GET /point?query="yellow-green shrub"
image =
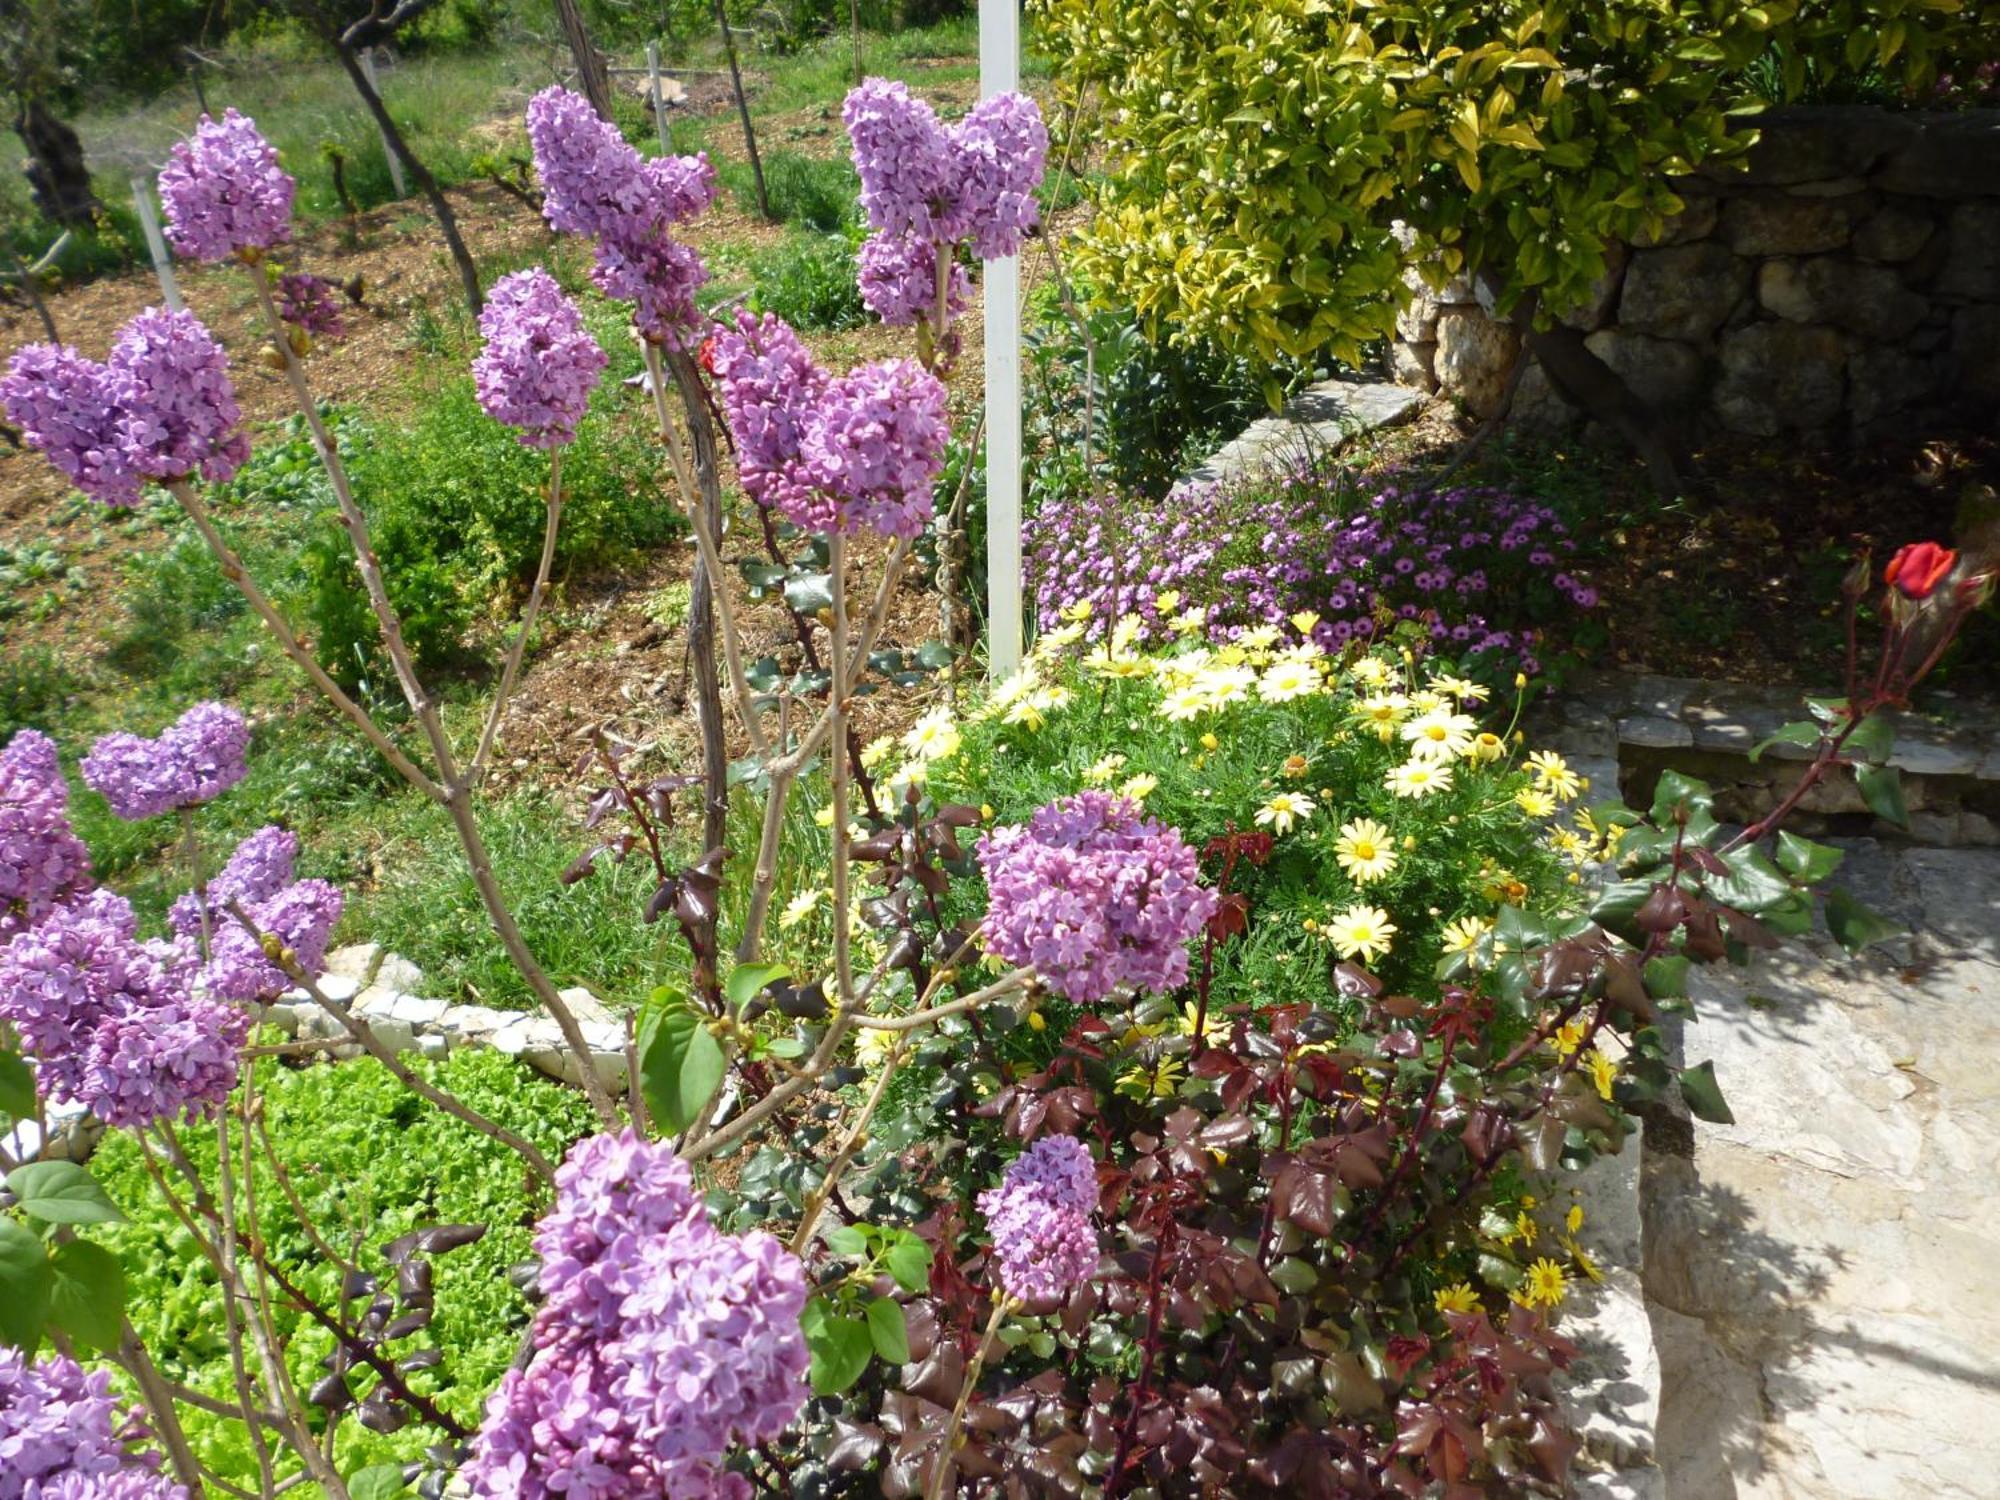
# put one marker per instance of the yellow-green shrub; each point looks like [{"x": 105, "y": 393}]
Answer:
[{"x": 1262, "y": 149}]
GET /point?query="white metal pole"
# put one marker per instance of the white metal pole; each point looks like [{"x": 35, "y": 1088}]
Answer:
[
  {"x": 999, "y": 71},
  {"x": 395, "y": 161},
  {"x": 156, "y": 244},
  {"x": 659, "y": 96}
]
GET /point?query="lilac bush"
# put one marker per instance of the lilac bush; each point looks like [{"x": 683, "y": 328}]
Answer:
[
  {"x": 973, "y": 181},
  {"x": 595, "y": 184},
  {"x": 1043, "y": 1243},
  {"x": 64, "y": 1436},
  {"x": 67, "y": 406},
  {"x": 898, "y": 275},
  {"x": 42, "y": 861},
  {"x": 301, "y": 916},
  {"x": 1095, "y": 896},
  {"x": 173, "y": 387},
  {"x": 833, "y": 454},
  {"x": 661, "y": 1343},
  {"x": 874, "y": 443},
  {"x": 224, "y": 192},
  {"x": 197, "y": 758},
  {"x": 116, "y": 1023},
  {"x": 260, "y": 866},
  {"x": 1352, "y": 551},
  {"x": 307, "y": 303},
  {"x": 539, "y": 364},
  {"x": 161, "y": 407}
]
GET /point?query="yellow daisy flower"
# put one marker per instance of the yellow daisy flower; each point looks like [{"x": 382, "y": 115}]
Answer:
[
  {"x": 1602, "y": 1070},
  {"x": 1371, "y": 671},
  {"x": 1078, "y": 612},
  {"x": 1184, "y": 703},
  {"x": 933, "y": 737},
  {"x": 1535, "y": 802},
  {"x": 1419, "y": 778},
  {"x": 1304, "y": 621},
  {"x": 801, "y": 906},
  {"x": 1364, "y": 851},
  {"x": 1547, "y": 1284},
  {"x": 1553, "y": 774},
  {"x": 1284, "y": 811},
  {"x": 1486, "y": 748},
  {"x": 1104, "y": 771},
  {"x": 1362, "y": 932},
  {"x": 1285, "y": 680},
  {"x": 1463, "y": 935},
  {"x": 1440, "y": 734},
  {"x": 1463, "y": 689},
  {"x": 1382, "y": 712},
  {"x": 1456, "y": 1298},
  {"x": 1167, "y": 601},
  {"x": 1140, "y": 787}
]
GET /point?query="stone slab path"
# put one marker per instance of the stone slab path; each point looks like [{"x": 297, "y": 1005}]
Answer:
[{"x": 1823, "y": 1276}]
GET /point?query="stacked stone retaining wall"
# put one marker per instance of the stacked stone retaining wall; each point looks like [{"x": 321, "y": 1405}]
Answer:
[{"x": 1841, "y": 283}]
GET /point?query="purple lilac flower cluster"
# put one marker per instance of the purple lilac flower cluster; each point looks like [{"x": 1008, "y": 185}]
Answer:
[
  {"x": 261, "y": 866},
  {"x": 42, "y": 861},
  {"x": 225, "y": 193},
  {"x": 126, "y": 1484},
  {"x": 307, "y": 303},
  {"x": 973, "y": 181},
  {"x": 927, "y": 189},
  {"x": 180, "y": 409},
  {"x": 1095, "y": 896},
  {"x": 834, "y": 454},
  {"x": 300, "y": 915},
  {"x": 661, "y": 1342},
  {"x": 195, "y": 759},
  {"x": 1356, "y": 552},
  {"x": 161, "y": 407},
  {"x": 540, "y": 363},
  {"x": 115, "y": 1023},
  {"x": 899, "y": 280},
  {"x": 1043, "y": 1244},
  {"x": 64, "y": 1437},
  {"x": 597, "y": 185},
  {"x": 66, "y": 405}
]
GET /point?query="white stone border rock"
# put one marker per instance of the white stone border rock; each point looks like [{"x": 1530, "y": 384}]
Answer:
[{"x": 380, "y": 988}]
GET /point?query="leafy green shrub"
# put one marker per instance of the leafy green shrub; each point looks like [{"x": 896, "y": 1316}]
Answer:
[
  {"x": 1155, "y": 407},
  {"x": 1265, "y": 151},
  {"x": 370, "y": 1161},
  {"x": 35, "y": 683},
  {"x": 809, "y": 281},
  {"x": 169, "y": 594},
  {"x": 455, "y": 508}
]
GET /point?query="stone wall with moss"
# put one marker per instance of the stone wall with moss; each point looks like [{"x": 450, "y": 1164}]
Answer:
[{"x": 1843, "y": 282}]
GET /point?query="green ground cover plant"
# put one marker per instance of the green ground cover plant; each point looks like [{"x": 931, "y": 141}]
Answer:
[{"x": 368, "y": 1163}]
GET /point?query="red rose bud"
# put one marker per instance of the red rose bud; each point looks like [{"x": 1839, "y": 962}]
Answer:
[{"x": 1919, "y": 568}]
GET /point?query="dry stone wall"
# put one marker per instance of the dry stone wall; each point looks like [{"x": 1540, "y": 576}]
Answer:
[{"x": 1841, "y": 283}]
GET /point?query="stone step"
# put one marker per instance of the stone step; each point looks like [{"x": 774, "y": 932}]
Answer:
[{"x": 1319, "y": 421}]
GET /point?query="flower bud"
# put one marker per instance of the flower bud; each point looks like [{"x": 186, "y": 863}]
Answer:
[{"x": 1917, "y": 569}]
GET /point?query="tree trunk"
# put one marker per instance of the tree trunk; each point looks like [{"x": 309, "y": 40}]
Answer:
[
  {"x": 1596, "y": 389},
  {"x": 743, "y": 109},
  {"x": 590, "y": 74},
  {"x": 57, "y": 175},
  {"x": 701, "y": 604},
  {"x": 468, "y": 273}
]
